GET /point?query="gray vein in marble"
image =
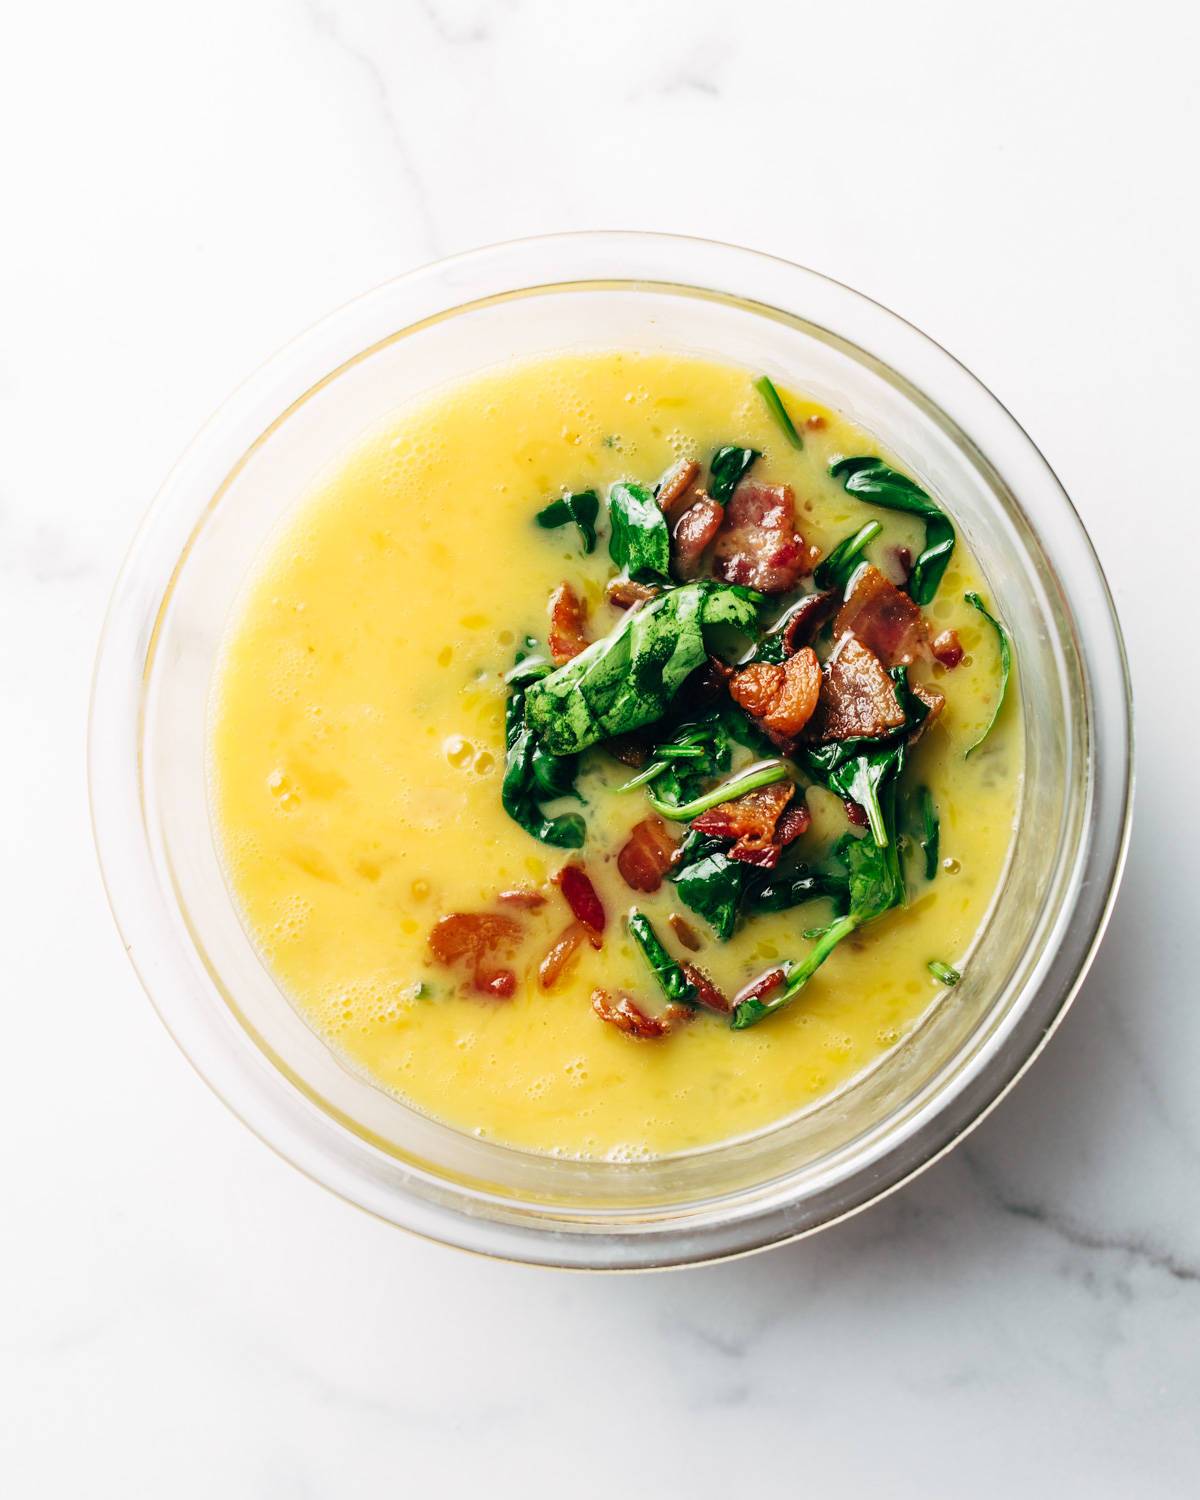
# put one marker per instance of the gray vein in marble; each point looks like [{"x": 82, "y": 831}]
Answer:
[
  {"x": 446, "y": 31},
  {"x": 327, "y": 24},
  {"x": 1081, "y": 1236}
]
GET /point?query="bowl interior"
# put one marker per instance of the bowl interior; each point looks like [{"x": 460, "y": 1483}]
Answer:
[{"x": 809, "y": 1156}]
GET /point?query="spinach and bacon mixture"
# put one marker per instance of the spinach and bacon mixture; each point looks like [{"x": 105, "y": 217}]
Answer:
[{"x": 731, "y": 640}]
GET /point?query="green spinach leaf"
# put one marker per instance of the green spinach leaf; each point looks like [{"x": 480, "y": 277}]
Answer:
[
  {"x": 766, "y": 389},
  {"x": 582, "y": 508},
  {"x": 639, "y": 541},
  {"x": 727, "y": 466},
  {"x": 532, "y": 775},
  {"x": 630, "y": 677},
  {"x": 870, "y": 479},
  {"x": 833, "y": 571},
  {"x": 1005, "y": 666},
  {"x": 673, "y": 982},
  {"x": 709, "y": 882}
]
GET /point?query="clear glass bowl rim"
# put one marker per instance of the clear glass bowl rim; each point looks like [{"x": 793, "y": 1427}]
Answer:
[{"x": 261, "y": 1096}]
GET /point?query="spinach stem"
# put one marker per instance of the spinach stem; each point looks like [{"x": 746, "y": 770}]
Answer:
[
  {"x": 764, "y": 774},
  {"x": 766, "y": 389},
  {"x": 976, "y": 602}
]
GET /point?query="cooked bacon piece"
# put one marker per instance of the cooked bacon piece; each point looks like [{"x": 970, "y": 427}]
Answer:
[
  {"x": 647, "y": 855},
  {"x": 884, "y": 619},
  {"x": 806, "y": 617},
  {"x": 856, "y": 814},
  {"x": 693, "y": 534},
  {"x": 796, "y": 820},
  {"x": 684, "y": 931},
  {"x": 632, "y": 749},
  {"x": 761, "y": 986},
  {"x": 857, "y": 696},
  {"x": 947, "y": 648},
  {"x": 706, "y": 991},
  {"x": 628, "y": 1016},
  {"x": 676, "y": 483},
  {"x": 814, "y": 423},
  {"x": 524, "y": 897},
  {"x": 763, "y": 822},
  {"x": 781, "y": 698},
  {"x": 567, "y": 617},
  {"x": 760, "y": 546},
  {"x": 562, "y": 951},
  {"x": 933, "y": 701},
  {"x": 472, "y": 936},
  {"x": 750, "y": 819},
  {"x": 580, "y": 895},
  {"x": 902, "y": 560},
  {"x": 623, "y": 593}
]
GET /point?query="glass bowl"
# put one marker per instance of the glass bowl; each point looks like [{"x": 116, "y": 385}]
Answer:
[{"x": 259, "y": 456}]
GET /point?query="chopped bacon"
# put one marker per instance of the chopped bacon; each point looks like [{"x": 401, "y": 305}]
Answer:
[
  {"x": 580, "y": 895},
  {"x": 473, "y": 936},
  {"x": 814, "y": 423},
  {"x": 933, "y": 701},
  {"x": 567, "y": 616},
  {"x": 632, "y": 749},
  {"x": 684, "y": 931},
  {"x": 706, "y": 991},
  {"x": 902, "y": 559},
  {"x": 623, "y": 593},
  {"x": 524, "y": 897},
  {"x": 806, "y": 617},
  {"x": 947, "y": 649},
  {"x": 857, "y": 695},
  {"x": 781, "y": 698},
  {"x": 562, "y": 951},
  {"x": 884, "y": 619},
  {"x": 647, "y": 855},
  {"x": 762, "y": 822},
  {"x": 856, "y": 814},
  {"x": 628, "y": 1016},
  {"x": 676, "y": 483},
  {"x": 694, "y": 533},
  {"x": 759, "y": 987},
  {"x": 759, "y": 545}
]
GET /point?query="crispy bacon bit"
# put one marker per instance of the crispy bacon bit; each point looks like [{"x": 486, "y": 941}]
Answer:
[
  {"x": 781, "y": 698},
  {"x": 760, "y": 546},
  {"x": 471, "y": 937},
  {"x": 857, "y": 696},
  {"x": 632, "y": 749},
  {"x": 567, "y": 617},
  {"x": 884, "y": 619},
  {"x": 694, "y": 533},
  {"x": 856, "y": 814},
  {"x": 706, "y": 991},
  {"x": 947, "y": 648},
  {"x": 562, "y": 951},
  {"x": 761, "y": 986},
  {"x": 805, "y": 618},
  {"x": 627, "y": 1015},
  {"x": 647, "y": 855},
  {"x": 933, "y": 701},
  {"x": 684, "y": 931},
  {"x": 623, "y": 593},
  {"x": 580, "y": 895},
  {"x": 763, "y": 823},
  {"x": 902, "y": 565},
  {"x": 676, "y": 483},
  {"x": 524, "y": 897},
  {"x": 814, "y": 423}
]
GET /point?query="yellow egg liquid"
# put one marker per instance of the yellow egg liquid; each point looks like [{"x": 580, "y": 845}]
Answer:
[{"x": 357, "y": 751}]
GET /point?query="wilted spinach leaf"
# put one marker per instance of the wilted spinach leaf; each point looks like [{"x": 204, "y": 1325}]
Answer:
[
  {"x": 639, "y": 541},
  {"x": 1005, "y": 666},
  {"x": 532, "y": 775},
  {"x": 873, "y": 481},
  {"x": 582, "y": 508},
  {"x": 673, "y": 982},
  {"x": 727, "y": 466}
]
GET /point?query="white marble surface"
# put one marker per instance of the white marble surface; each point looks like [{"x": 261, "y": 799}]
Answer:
[{"x": 186, "y": 186}]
